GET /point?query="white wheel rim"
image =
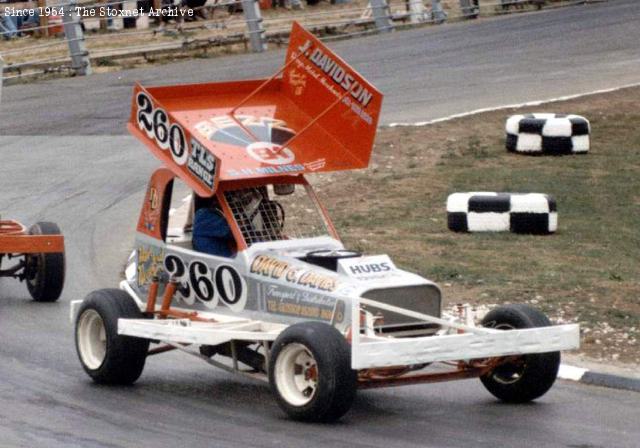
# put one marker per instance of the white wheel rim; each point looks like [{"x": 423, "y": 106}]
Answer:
[
  {"x": 510, "y": 376},
  {"x": 92, "y": 339},
  {"x": 296, "y": 374}
]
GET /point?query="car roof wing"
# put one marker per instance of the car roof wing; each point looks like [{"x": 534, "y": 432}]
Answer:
[{"x": 315, "y": 114}]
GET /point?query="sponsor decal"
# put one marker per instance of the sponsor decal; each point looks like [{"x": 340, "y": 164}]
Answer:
[
  {"x": 153, "y": 198},
  {"x": 336, "y": 72},
  {"x": 170, "y": 136},
  {"x": 281, "y": 270},
  {"x": 271, "y": 153},
  {"x": 208, "y": 285},
  {"x": 358, "y": 95},
  {"x": 150, "y": 260},
  {"x": 298, "y": 81},
  {"x": 209, "y": 128},
  {"x": 261, "y": 137},
  {"x": 295, "y": 302},
  {"x": 282, "y": 169},
  {"x": 367, "y": 267},
  {"x": 316, "y": 164},
  {"x": 151, "y": 213},
  {"x": 202, "y": 163}
]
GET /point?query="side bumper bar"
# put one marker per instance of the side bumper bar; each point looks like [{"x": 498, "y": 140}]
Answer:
[{"x": 373, "y": 353}]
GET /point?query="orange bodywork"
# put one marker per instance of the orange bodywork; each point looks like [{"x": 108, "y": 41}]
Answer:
[
  {"x": 15, "y": 239},
  {"x": 315, "y": 114},
  {"x": 152, "y": 222}
]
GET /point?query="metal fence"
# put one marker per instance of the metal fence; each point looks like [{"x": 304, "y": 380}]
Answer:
[{"x": 69, "y": 49}]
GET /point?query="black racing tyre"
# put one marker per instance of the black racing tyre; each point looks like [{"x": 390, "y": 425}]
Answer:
[
  {"x": 45, "y": 272},
  {"x": 529, "y": 376},
  {"x": 109, "y": 358},
  {"x": 310, "y": 372}
]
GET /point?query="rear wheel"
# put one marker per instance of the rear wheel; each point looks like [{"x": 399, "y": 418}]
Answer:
[
  {"x": 106, "y": 356},
  {"x": 45, "y": 272},
  {"x": 310, "y": 372},
  {"x": 527, "y": 377}
]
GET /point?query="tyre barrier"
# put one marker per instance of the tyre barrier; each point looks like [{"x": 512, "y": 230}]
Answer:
[
  {"x": 552, "y": 134},
  {"x": 530, "y": 213}
]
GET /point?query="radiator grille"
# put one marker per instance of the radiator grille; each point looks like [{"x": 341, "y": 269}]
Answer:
[{"x": 425, "y": 299}]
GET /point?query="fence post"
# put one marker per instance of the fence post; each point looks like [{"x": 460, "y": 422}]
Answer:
[
  {"x": 1, "y": 76},
  {"x": 253, "y": 17},
  {"x": 470, "y": 8},
  {"x": 437, "y": 13},
  {"x": 416, "y": 11},
  {"x": 381, "y": 15},
  {"x": 80, "y": 61}
]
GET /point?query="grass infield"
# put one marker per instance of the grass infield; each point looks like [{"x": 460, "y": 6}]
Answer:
[{"x": 588, "y": 272}]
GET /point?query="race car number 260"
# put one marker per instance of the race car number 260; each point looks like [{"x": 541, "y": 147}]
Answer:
[
  {"x": 156, "y": 124},
  {"x": 209, "y": 286}
]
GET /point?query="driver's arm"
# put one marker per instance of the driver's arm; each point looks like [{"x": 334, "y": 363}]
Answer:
[{"x": 211, "y": 223}]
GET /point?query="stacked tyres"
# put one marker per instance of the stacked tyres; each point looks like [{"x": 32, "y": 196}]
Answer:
[
  {"x": 531, "y": 213},
  {"x": 550, "y": 134}
]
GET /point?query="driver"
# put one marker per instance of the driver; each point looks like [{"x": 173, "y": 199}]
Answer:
[{"x": 211, "y": 232}]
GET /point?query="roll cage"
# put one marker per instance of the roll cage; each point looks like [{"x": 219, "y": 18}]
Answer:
[{"x": 155, "y": 215}]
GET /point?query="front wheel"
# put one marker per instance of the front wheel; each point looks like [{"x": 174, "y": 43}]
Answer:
[
  {"x": 527, "y": 377},
  {"x": 310, "y": 372},
  {"x": 45, "y": 272},
  {"x": 106, "y": 356}
]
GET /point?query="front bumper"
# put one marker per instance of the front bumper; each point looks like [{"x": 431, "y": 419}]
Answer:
[{"x": 369, "y": 350}]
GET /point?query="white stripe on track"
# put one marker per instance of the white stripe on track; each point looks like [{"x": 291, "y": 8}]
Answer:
[
  {"x": 512, "y": 106},
  {"x": 567, "y": 372}
]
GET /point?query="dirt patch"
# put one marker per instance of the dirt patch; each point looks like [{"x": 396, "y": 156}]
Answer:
[{"x": 588, "y": 272}]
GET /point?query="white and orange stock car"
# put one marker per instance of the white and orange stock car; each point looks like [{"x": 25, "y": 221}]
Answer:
[{"x": 291, "y": 306}]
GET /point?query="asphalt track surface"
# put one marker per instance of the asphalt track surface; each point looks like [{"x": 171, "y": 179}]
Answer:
[
  {"x": 425, "y": 73},
  {"x": 93, "y": 186}
]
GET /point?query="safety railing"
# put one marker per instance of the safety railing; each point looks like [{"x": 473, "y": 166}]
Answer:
[
  {"x": 68, "y": 45},
  {"x": 59, "y": 48}
]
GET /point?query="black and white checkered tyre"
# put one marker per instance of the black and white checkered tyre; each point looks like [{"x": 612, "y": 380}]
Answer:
[
  {"x": 532, "y": 213},
  {"x": 552, "y": 134}
]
